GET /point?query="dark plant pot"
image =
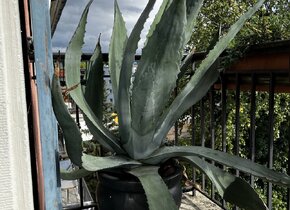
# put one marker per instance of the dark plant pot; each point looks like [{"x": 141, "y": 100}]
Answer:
[{"x": 122, "y": 191}]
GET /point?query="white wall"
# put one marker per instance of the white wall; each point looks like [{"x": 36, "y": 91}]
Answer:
[{"x": 15, "y": 173}]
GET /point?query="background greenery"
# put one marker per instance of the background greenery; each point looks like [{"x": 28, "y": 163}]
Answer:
[{"x": 271, "y": 23}]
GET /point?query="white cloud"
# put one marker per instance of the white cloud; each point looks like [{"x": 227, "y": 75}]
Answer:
[{"x": 100, "y": 20}]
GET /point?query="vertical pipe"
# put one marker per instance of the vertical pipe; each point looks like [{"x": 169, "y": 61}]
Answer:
[
  {"x": 252, "y": 123},
  {"x": 31, "y": 91},
  {"x": 202, "y": 133},
  {"x": 212, "y": 132},
  {"x": 271, "y": 137},
  {"x": 193, "y": 144}
]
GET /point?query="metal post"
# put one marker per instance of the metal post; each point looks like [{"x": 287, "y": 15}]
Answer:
[
  {"x": 271, "y": 137},
  {"x": 288, "y": 172},
  {"x": 212, "y": 132},
  {"x": 237, "y": 122},
  {"x": 253, "y": 123},
  {"x": 176, "y": 123},
  {"x": 81, "y": 190},
  {"x": 224, "y": 114},
  {"x": 78, "y": 116},
  {"x": 193, "y": 143},
  {"x": 224, "y": 121},
  {"x": 202, "y": 133}
]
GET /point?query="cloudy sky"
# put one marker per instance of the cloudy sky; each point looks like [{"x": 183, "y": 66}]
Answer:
[{"x": 100, "y": 20}]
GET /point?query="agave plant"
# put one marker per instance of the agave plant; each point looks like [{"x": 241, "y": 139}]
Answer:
[{"x": 142, "y": 104}]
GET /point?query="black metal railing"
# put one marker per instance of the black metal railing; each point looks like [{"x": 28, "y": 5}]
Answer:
[{"x": 200, "y": 124}]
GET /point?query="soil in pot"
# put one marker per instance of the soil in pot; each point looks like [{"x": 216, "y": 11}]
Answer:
[{"x": 118, "y": 190}]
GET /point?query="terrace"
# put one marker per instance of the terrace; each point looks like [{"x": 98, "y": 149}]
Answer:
[{"x": 229, "y": 118}]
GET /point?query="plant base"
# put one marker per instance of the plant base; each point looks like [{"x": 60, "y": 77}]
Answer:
[{"x": 121, "y": 191}]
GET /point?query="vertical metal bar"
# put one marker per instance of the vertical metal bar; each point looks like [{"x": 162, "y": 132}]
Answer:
[
  {"x": 271, "y": 137},
  {"x": 224, "y": 114},
  {"x": 237, "y": 123},
  {"x": 193, "y": 140},
  {"x": 212, "y": 132},
  {"x": 253, "y": 123},
  {"x": 81, "y": 190},
  {"x": 80, "y": 180},
  {"x": 202, "y": 133},
  {"x": 176, "y": 133},
  {"x": 237, "y": 118},
  {"x": 288, "y": 172},
  {"x": 78, "y": 116},
  {"x": 224, "y": 121},
  {"x": 176, "y": 123}
]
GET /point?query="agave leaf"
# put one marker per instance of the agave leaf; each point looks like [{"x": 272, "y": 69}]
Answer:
[
  {"x": 199, "y": 88},
  {"x": 116, "y": 50},
  {"x": 156, "y": 76},
  {"x": 126, "y": 73},
  {"x": 233, "y": 189},
  {"x": 154, "y": 186},
  {"x": 94, "y": 92},
  {"x": 95, "y": 163},
  {"x": 71, "y": 133},
  {"x": 75, "y": 174},
  {"x": 196, "y": 87},
  {"x": 163, "y": 7},
  {"x": 232, "y": 161},
  {"x": 192, "y": 10},
  {"x": 188, "y": 59},
  {"x": 72, "y": 74}
]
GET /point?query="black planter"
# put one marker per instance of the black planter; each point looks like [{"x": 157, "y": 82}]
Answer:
[{"x": 122, "y": 191}]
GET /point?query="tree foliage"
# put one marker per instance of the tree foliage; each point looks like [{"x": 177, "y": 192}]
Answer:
[{"x": 272, "y": 23}]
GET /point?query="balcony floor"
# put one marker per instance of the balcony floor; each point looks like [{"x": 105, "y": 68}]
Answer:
[{"x": 198, "y": 202}]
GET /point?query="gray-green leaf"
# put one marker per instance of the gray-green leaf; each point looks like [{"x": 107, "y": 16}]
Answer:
[
  {"x": 71, "y": 132},
  {"x": 156, "y": 76},
  {"x": 116, "y": 50},
  {"x": 124, "y": 100},
  {"x": 239, "y": 163},
  {"x": 192, "y": 10},
  {"x": 233, "y": 189},
  {"x": 94, "y": 91},
  {"x": 157, "y": 193},
  {"x": 196, "y": 88},
  {"x": 75, "y": 174},
  {"x": 72, "y": 74},
  {"x": 94, "y": 163}
]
